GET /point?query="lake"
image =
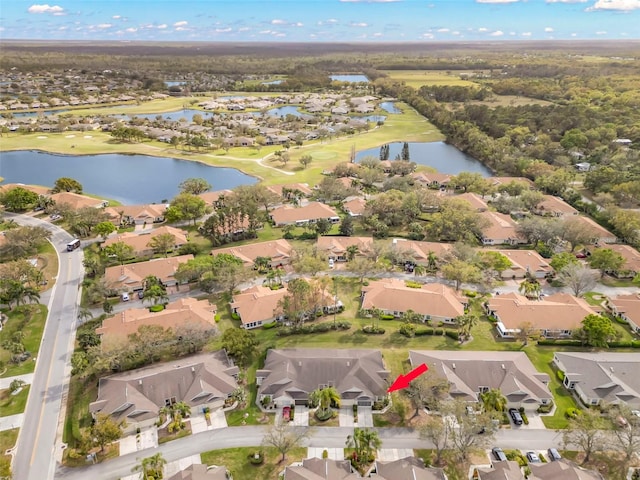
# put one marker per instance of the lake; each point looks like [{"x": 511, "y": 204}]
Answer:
[
  {"x": 349, "y": 78},
  {"x": 439, "y": 155},
  {"x": 390, "y": 107},
  {"x": 129, "y": 179}
]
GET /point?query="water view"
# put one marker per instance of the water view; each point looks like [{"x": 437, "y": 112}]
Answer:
[
  {"x": 439, "y": 155},
  {"x": 349, "y": 78},
  {"x": 129, "y": 179},
  {"x": 390, "y": 107}
]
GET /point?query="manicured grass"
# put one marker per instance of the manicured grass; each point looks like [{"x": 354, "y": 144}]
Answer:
[
  {"x": 617, "y": 282},
  {"x": 13, "y": 404},
  {"x": 81, "y": 394},
  {"x": 8, "y": 439},
  {"x": 237, "y": 461},
  {"x": 32, "y": 336},
  {"x": 510, "y": 101},
  {"x": 49, "y": 258},
  {"x": 418, "y": 78},
  {"x": 594, "y": 298}
]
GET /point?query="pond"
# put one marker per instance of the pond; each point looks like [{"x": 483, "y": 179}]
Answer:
[
  {"x": 173, "y": 83},
  {"x": 439, "y": 155},
  {"x": 129, "y": 179},
  {"x": 273, "y": 82},
  {"x": 187, "y": 114},
  {"x": 390, "y": 107},
  {"x": 349, "y": 78}
]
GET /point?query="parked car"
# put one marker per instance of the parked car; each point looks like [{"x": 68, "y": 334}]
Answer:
[
  {"x": 55, "y": 216},
  {"x": 553, "y": 454},
  {"x": 125, "y": 297},
  {"x": 141, "y": 294},
  {"x": 533, "y": 457},
  {"x": 286, "y": 413},
  {"x": 499, "y": 454},
  {"x": 515, "y": 416}
]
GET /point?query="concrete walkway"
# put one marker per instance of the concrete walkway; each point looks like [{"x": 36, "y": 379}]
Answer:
[
  {"x": 11, "y": 422},
  {"x": 27, "y": 378},
  {"x": 393, "y": 454},
  {"x": 333, "y": 453},
  {"x": 131, "y": 443},
  {"x": 345, "y": 416},
  {"x": 365, "y": 417},
  {"x": 301, "y": 416}
]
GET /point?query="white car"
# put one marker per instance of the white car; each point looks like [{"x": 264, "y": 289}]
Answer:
[{"x": 331, "y": 263}]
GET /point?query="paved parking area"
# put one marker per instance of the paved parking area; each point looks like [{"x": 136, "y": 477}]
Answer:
[
  {"x": 301, "y": 416},
  {"x": 199, "y": 423},
  {"x": 345, "y": 416},
  {"x": 365, "y": 417},
  {"x": 172, "y": 468},
  {"x": 334, "y": 453},
  {"x": 131, "y": 443},
  {"x": 393, "y": 454}
]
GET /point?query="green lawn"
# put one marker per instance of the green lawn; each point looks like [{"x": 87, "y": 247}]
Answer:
[
  {"x": 237, "y": 462},
  {"x": 32, "y": 326},
  {"x": 13, "y": 404},
  {"x": 81, "y": 394},
  {"x": 8, "y": 439},
  {"x": 419, "y": 78}
]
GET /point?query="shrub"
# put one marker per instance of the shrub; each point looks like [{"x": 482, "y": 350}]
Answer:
[
  {"x": 408, "y": 330},
  {"x": 568, "y": 343},
  {"x": 156, "y": 308},
  {"x": 256, "y": 458},
  {"x": 217, "y": 318},
  {"x": 545, "y": 408},
  {"x": 373, "y": 330},
  {"x": 560, "y": 375},
  {"x": 268, "y": 326},
  {"x": 572, "y": 412},
  {"x": 412, "y": 284},
  {"x": 325, "y": 454},
  {"x": 386, "y": 317},
  {"x": 452, "y": 334},
  {"x": 470, "y": 293},
  {"x": 235, "y": 316},
  {"x": 323, "y": 415},
  {"x": 423, "y": 332}
]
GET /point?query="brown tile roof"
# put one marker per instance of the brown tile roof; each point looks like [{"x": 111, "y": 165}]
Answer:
[
  {"x": 199, "y": 314},
  {"x": 409, "y": 468},
  {"x": 257, "y": 303},
  {"x": 212, "y": 197},
  {"x": 627, "y": 305},
  {"x": 355, "y": 206},
  {"x": 525, "y": 261},
  {"x": 598, "y": 231},
  {"x": 279, "y": 251},
  {"x": 501, "y": 227},
  {"x": 393, "y": 295},
  {"x": 337, "y": 246},
  {"x": 562, "y": 469},
  {"x": 473, "y": 199},
  {"x": 321, "y": 469},
  {"x": 631, "y": 256},
  {"x": 497, "y": 181},
  {"x": 431, "y": 177},
  {"x": 466, "y": 371},
  {"x": 302, "y": 187},
  {"x": 137, "y": 395},
  {"x": 37, "y": 189},
  {"x": 296, "y": 372},
  {"x": 77, "y": 201},
  {"x": 554, "y": 206},
  {"x": 560, "y": 311},
  {"x": 419, "y": 251},
  {"x": 312, "y": 211},
  {"x": 146, "y": 213},
  {"x": 140, "y": 241},
  {"x": 130, "y": 276}
]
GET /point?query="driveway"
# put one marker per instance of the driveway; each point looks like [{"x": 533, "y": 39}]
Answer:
[
  {"x": 199, "y": 423},
  {"x": 393, "y": 454},
  {"x": 5, "y": 383},
  {"x": 535, "y": 421},
  {"x": 333, "y": 453},
  {"x": 365, "y": 417},
  {"x": 345, "y": 416},
  {"x": 131, "y": 443},
  {"x": 301, "y": 416}
]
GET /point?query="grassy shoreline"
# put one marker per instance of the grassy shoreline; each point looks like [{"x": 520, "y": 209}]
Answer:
[{"x": 406, "y": 126}]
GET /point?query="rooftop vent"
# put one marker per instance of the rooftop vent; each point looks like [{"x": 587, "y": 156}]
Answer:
[
  {"x": 453, "y": 365},
  {"x": 140, "y": 382},
  {"x": 503, "y": 367}
]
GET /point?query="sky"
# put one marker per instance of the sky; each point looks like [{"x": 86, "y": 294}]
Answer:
[{"x": 319, "y": 20}]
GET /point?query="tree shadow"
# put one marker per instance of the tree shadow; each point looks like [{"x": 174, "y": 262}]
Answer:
[{"x": 356, "y": 338}]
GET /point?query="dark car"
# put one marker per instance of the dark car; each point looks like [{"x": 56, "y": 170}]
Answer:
[
  {"x": 533, "y": 457},
  {"x": 140, "y": 294},
  {"x": 515, "y": 416},
  {"x": 553, "y": 454},
  {"x": 499, "y": 454}
]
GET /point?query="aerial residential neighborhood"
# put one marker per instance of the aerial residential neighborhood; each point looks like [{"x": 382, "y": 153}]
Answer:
[{"x": 312, "y": 260}]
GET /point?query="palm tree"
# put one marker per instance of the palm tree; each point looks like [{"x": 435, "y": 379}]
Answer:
[
  {"x": 493, "y": 400},
  {"x": 151, "y": 467},
  {"x": 419, "y": 270},
  {"x": 352, "y": 251},
  {"x": 432, "y": 262},
  {"x": 261, "y": 264},
  {"x": 363, "y": 441},
  {"x": 84, "y": 314},
  {"x": 182, "y": 408},
  {"x": 466, "y": 323},
  {"x": 530, "y": 288},
  {"x": 327, "y": 397}
]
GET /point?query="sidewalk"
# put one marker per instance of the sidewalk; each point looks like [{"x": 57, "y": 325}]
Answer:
[
  {"x": 27, "y": 378},
  {"x": 11, "y": 422}
]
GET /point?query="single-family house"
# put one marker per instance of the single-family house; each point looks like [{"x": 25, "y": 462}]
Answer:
[
  {"x": 290, "y": 375},
  {"x": 355, "y": 206},
  {"x": 500, "y": 181},
  {"x": 552, "y": 206},
  {"x": 77, "y": 201},
  {"x": 501, "y": 229},
  {"x": 432, "y": 179},
  {"x": 291, "y": 190},
  {"x": 583, "y": 166},
  {"x": 631, "y": 266},
  {"x": 257, "y": 305},
  {"x": 215, "y": 199},
  {"x": 627, "y": 307},
  {"x": 338, "y": 248},
  {"x": 37, "y": 189},
  {"x": 523, "y": 263},
  {"x": 279, "y": 251},
  {"x": 321, "y": 469},
  {"x": 556, "y": 315},
  {"x": 303, "y": 215},
  {"x": 419, "y": 253},
  {"x": 183, "y": 313},
  {"x": 474, "y": 200},
  {"x": 408, "y": 468},
  {"x": 434, "y": 302},
  {"x": 470, "y": 374},
  {"x": 200, "y": 471},
  {"x": 140, "y": 241},
  {"x": 602, "y": 377},
  {"x": 562, "y": 469},
  {"x": 142, "y": 214},
  {"x": 136, "y": 396},
  {"x": 130, "y": 277},
  {"x": 507, "y": 470}
]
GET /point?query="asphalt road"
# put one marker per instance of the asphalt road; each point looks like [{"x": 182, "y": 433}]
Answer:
[
  {"x": 322, "y": 437},
  {"x": 34, "y": 457}
]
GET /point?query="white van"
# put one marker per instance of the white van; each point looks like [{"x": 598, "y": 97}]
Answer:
[{"x": 125, "y": 297}]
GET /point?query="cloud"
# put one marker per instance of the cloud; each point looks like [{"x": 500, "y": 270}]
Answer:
[
  {"x": 526, "y": 34},
  {"x": 117, "y": 17},
  {"x": 131, "y": 30},
  {"x": 483, "y": 29},
  {"x": 181, "y": 23},
  {"x": 548, "y": 29},
  {"x": 443, "y": 30},
  {"x": 377, "y": 34},
  {"x": 297, "y": 24},
  {"x": 427, "y": 35},
  {"x": 567, "y": 1},
  {"x": 622, "y": 5},
  {"x": 278, "y": 21},
  {"x": 265, "y": 32},
  {"x": 223, "y": 30},
  {"x": 182, "y": 29},
  {"x": 601, "y": 32},
  {"x": 497, "y": 33},
  {"x": 358, "y": 24},
  {"x": 104, "y": 26},
  {"x": 497, "y": 1},
  {"x": 162, "y": 26},
  {"x": 45, "y": 8}
]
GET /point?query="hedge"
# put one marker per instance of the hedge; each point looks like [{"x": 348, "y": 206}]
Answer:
[
  {"x": 156, "y": 308},
  {"x": 373, "y": 330},
  {"x": 386, "y": 317},
  {"x": 267, "y": 326},
  {"x": 578, "y": 343},
  {"x": 318, "y": 328}
]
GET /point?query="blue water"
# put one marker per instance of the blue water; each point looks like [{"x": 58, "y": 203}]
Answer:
[
  {"x": 439, "y": 155},
  {"x": 130, "y": 179},
  {"x": 174, "y": 116},
  {"x": 174, "y": 83},
  {"x": 349, "y": 78},
  {"x": 390, "y": 107},
  {"x": 272, "y": 82}
]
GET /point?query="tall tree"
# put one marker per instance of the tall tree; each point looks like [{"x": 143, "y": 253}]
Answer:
[
  {"x": 598, "y": 330},
  {"x": 404, "y": 154},
  {"x": 240, "y": 344},
  {"x": 152, "y": 467},
  {"x": 66, "y": 184},
  {"x": 186, "y": 206},
  {"x": 18, "y": 199},
  {"x": 606, "y": 260},
  {"x": 163, "y": 243},
  {"x": 283, "y": 437},
  {"x": 466, "y": 436},
  {"x": 104, "y": 229},
  {"x": 586, "y": 431},
  {"x": 461, "y": 272},
  {"x": 194, "y": 186},
  {"x": 436, "y": 430},
  {"x": 578, "y": 278},
  {"x": 105, "y": 430},
  {"x": 305, "y": 160},
  {"x": 120, "y": 251},
  {"x": 428, "y": 390}
]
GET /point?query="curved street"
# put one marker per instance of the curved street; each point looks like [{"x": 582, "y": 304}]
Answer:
[{"x": 35, "y": 455}]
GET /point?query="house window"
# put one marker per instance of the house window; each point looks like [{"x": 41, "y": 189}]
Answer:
[
  {"x": 594, "y": 401},
  {"x": 170, "y": 401},
  {"x": 483, "y": 389}
]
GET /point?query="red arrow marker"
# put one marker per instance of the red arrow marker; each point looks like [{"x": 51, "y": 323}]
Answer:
[{"x": 403, "y": 381}]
